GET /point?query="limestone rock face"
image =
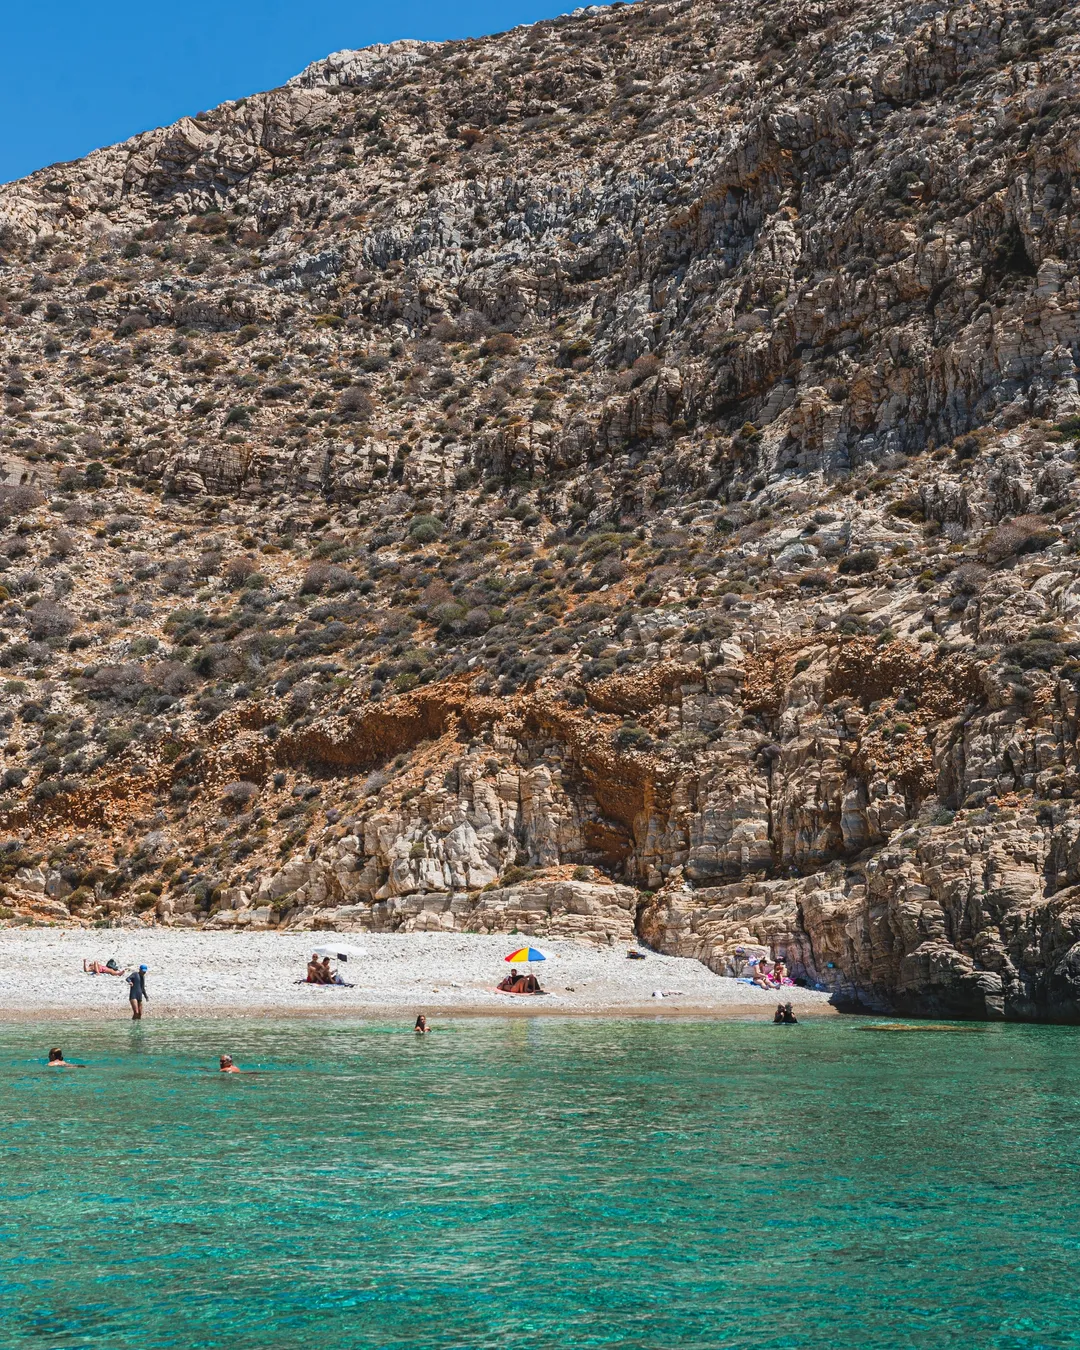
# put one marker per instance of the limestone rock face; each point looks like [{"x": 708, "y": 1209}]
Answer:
[
  {"x": 590, "y": 912},
  {"x": 614, "y": 477}
]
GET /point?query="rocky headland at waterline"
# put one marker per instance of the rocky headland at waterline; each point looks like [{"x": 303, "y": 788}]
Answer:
[{"x": 613, "y": 478}]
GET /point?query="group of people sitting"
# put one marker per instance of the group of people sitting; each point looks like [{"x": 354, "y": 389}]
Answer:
[
  {"x": 519, "y": 984},
  {"x": 319, "y": 972},
  {"x": 770, "y": 974}
]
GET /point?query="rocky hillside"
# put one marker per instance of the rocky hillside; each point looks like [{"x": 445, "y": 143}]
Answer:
[{"x": 614, "y": 476}]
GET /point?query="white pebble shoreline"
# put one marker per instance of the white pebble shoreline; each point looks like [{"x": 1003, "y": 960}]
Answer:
[{"x": 216, "y": 974}]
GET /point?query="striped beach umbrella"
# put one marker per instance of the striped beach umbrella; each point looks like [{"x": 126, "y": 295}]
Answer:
[{"x": 524, "y": 954}]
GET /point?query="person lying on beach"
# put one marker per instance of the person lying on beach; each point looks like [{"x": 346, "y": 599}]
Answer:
[
  {"x": 98, "y": 968},
  {"x": 421, "y": 1027},
  {"x": 57, "y": 1060}
]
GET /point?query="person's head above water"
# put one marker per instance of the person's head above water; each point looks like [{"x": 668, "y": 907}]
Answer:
[
  {"x": 56, "y": 1055},
  {"x": 224, "y": 1061}
]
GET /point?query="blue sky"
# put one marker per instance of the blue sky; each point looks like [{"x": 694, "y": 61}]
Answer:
[{"x": 76, "y": 74}]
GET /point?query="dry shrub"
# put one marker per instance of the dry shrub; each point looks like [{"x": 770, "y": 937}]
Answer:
[
  {"x": 62, "y": 544},
  {"x": 356, "y": 402},
  {"x": 172, "y": 677},
  {"x": 237, "y": 571},
  {"x": 1025, "y": 534},
  {"x": 125, "y": 683},
  {"x": 48, "y": 619},
  {"x": 238, "y": 795},
  {"x": 500, "y": 344},
  {"x": 968, "y": 579},
  {"x": 17, "y": 546},
  {"x": 645, "y": 367},
  {"x": 16, "y": 499},
  {"x": 321, "y": 576},
  {"x": 175, "y": 575}
]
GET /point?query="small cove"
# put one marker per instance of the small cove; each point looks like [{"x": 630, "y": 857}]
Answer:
[{"x": 618, "y": 1183}]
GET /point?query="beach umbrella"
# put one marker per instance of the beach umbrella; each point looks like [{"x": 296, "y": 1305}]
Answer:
[
  {"x": 524, "y": 954},
  {"x": 341, "y": 953}
]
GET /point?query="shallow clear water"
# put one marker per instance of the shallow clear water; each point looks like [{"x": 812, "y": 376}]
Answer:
[{"x": 542, "y": 1183}]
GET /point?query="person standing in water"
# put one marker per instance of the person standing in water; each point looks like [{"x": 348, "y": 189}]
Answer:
[
  {"x": 137, "y": 992},
  {"x": 421, "y": 1027},
  {"x": 226, "y": 1065}
]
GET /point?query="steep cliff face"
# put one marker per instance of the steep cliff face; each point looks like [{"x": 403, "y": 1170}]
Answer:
[{"x": 614, "y": 476}]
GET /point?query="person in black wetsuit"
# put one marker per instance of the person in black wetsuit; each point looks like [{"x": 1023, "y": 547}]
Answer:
[{"x": 136, "y": 983}]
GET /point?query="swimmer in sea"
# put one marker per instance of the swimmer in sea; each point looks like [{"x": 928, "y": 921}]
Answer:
[
  {"x": 421, "y": 1027},
  {"x": 57, "y": 1060},
  {"x": 226, "y": 1065}
]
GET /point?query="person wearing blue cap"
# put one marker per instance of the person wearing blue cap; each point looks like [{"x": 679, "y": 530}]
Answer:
[{"x": 136, "y": 983}]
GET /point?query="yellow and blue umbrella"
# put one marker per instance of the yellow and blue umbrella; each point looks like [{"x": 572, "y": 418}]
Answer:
[{"x": 525, "y": 954}]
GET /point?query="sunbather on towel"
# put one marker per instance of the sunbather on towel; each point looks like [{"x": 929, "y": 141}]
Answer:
[{"x": 109, "y": 967}]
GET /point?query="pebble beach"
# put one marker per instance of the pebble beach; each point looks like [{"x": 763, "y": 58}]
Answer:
[{"x": 226, "y": 974}]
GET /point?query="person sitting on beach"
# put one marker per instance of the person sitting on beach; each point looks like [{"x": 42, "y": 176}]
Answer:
[
  {"x": 57, "y": 1060},
  {"x": 421, "y": 1027},
  {"x": 780, "y": 974},
  {"x": 762, "y": 976},
  {"x": 332, "y": 976},
  {"x": 315, "y": 971},
  {"x": 97, "y": 968},
  {"x": 519, "y": 984}
]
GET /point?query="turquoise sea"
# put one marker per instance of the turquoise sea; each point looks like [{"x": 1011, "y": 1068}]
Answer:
[{"x": 540, "y": 1183}]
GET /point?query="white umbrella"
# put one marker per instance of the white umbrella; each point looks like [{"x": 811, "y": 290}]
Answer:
[{"x": 342, "y": 953}]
